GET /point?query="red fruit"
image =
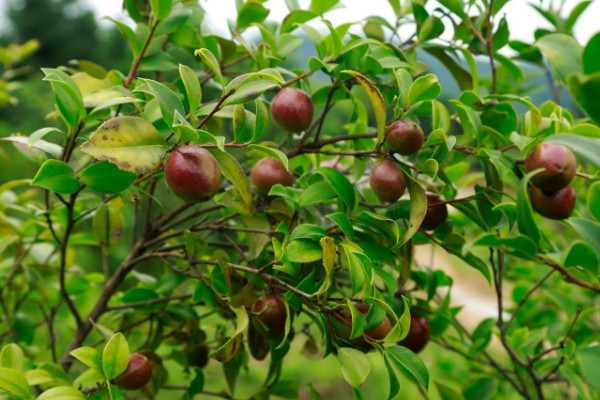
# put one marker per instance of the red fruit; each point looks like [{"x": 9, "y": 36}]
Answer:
[
  {"x": 404, "y": 137},
  {"x": 270, "y": 310},
  {"x": 344, "y": 330},
  {"x": 418, "y": 334},
  {"x": 292, "y": 109},
  {"x": 557, "y": 205},
  {"x": 387, "y": 181},
  {"x": 192, "y": 173},
  {"x": 267, "y": 173},
  {"x": 559, "y": 165},
  {"x": 137, "y": 373},
  {"x": 436, "y": 214}
]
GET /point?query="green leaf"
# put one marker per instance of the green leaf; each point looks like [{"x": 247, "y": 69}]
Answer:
[
  {"x": 131, "y": 143},
  {"x": 343, "y": 222},
  {"x": 89, "y": 356},
  {"x": 106, "y": 178},
  {"x": 585, "y": 92},
  {"x": 129, "y": 35},
  {"x": 576, "y": 13},
  {"x": 456, "y": 6},
  {"x": 525, "y": 221},
  {"x": 593, "y": 200},
  {"x": 67, "y": 95},
  {"x": 563, "y": 53},
  {"x": 589, "y": 230},
  {"x": 404, "y": 81},
  {"x": 418, "y": 207},
  {"x": 408, "y": 361},
  {"x": 192, "y": 86},
  {"x": 241, "y": 326},
  {"x": 250, "y": 91},
  {"x": 36, "y": 377},
  {"x": 425, "y": 88},
  {"x": 161, "y": 8},
  {"x": 114, "y": 102},
  {"x": 262, "y": 117},
  {"x": 589, "y": 358},
  {"x": 251, "y": 12},
  {"x": 431, "y": 28},
  {"x": 341, "y": 185},
  {"x": 211, "y": 61},
  {"x": 355, "y": 365},
  {"x": 329, "y": 254},
  {"x": 14, "y": 382},
  {"x": 40, "y": 133},
  {"x": 581, "y": 254},
  {"x": 303, "y": 251},
  {"x": 447, "y": 392},
  {"x": 62, "y": 393},
  {"x": 294, "y": 19},
  {"x": 377, "y": 101},
  {"x": 12, "y": 356},
  {"x": 322, "y": 6},
  {"x": 469, "y": 119},
  {"x": 167, "y": 100},
  {"x": 232, "y": 170},
  {"x": 256, "y": 241},
  {"x": 482, "y": 334},
  {"x": 584, "y": 147},
  {"x": 56, "y": 176},
  {"x": 115, "y": 356},
  {"x": 482, "y": 389}
]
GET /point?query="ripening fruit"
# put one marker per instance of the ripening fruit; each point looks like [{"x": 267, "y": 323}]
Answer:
[
  {"x": 387, "y": 181},
  {"x": 553, "y": 205},
  {"x": 197, "y": 356},
  {"x": 267, "y": 173},
  {"x": 418, "y": 334},
  {"x": 292, "y": 109},
  {"x": 192, "y": 173},
  {"x": 559, "y": 165},
  {"x": 436, "y": 213},
  {"x": 270, "y": 311},
  {"x": 257, "y": 343},
  {"x": 404, "y": 137},
  {"x": 137, "y": 373},
  {"x": 344, "y": 330}
]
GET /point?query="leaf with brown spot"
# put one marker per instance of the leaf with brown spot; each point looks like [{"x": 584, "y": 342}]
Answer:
[
  {"x": 377, "y": 101},
  {"x": 131, "y": 143}
]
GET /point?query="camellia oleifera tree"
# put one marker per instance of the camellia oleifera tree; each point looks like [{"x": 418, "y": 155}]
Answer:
[{"x": 220, "y": 203}]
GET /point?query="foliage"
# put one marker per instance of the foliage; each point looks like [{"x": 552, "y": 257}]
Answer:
[{"x": 100, "y": 259}]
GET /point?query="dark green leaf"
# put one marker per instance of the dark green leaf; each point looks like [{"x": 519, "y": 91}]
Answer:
[
  {"x": 56, "y": 176},
  {"x": 106, "y": 178}
]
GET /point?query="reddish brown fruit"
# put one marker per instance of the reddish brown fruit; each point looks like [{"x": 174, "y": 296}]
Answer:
[
  {"x": 387, "y": 181},
  {"x": 267, "y": 173},
  {"x": 292, "y": 109},
  {"x": 270, "y": 311},
  {"x": 418, "y": 334},
  {"x": 344, "y": 330},
  {"x": 559, "y": 165},
  {"x": 557, "y": 205},
  {"x": 192, "y": 173},
  {"x": 137, "y": 373},
  {"x": 257, "y": 343},
  {"x": 404, "y": 137},
  {"x": 436, "y": 213}
]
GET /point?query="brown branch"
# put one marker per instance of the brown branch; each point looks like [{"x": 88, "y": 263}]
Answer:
[
  {"x": 138, "y": 60},
  {"x": 148, "y": 302},
  {"x": 568, "y": 276}
]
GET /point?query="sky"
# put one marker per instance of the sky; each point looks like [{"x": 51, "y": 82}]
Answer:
[{"x": 522, "y": 19}]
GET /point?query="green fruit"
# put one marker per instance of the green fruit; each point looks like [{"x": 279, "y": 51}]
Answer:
[
  {"x": 559, "y": 164},
  {"x": 270, "y": 311},
  {"x": 292, "y": 109},
  {"x": 404, "y": 137},
  {"x": 436, "y": 213},
  {"x": 137, "y": 373},
  {"x": 554, "y": 205},
  {"x": 418, "y": 334},
  {"x": 387, "y": 181},
  {"x": 192, "y": 173},
  {"x": 344, "y": 330},
  {"x": 269, "y": 172}
]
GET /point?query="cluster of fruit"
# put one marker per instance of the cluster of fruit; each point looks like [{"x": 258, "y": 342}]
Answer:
[
  {"x": 387, "y": 180},
  {"x": 552, "y": 194}
]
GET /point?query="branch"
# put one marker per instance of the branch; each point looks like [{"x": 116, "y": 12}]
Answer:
[
  {"x": 568, "y": 276},
  {"x": 138, "y": 60}
]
